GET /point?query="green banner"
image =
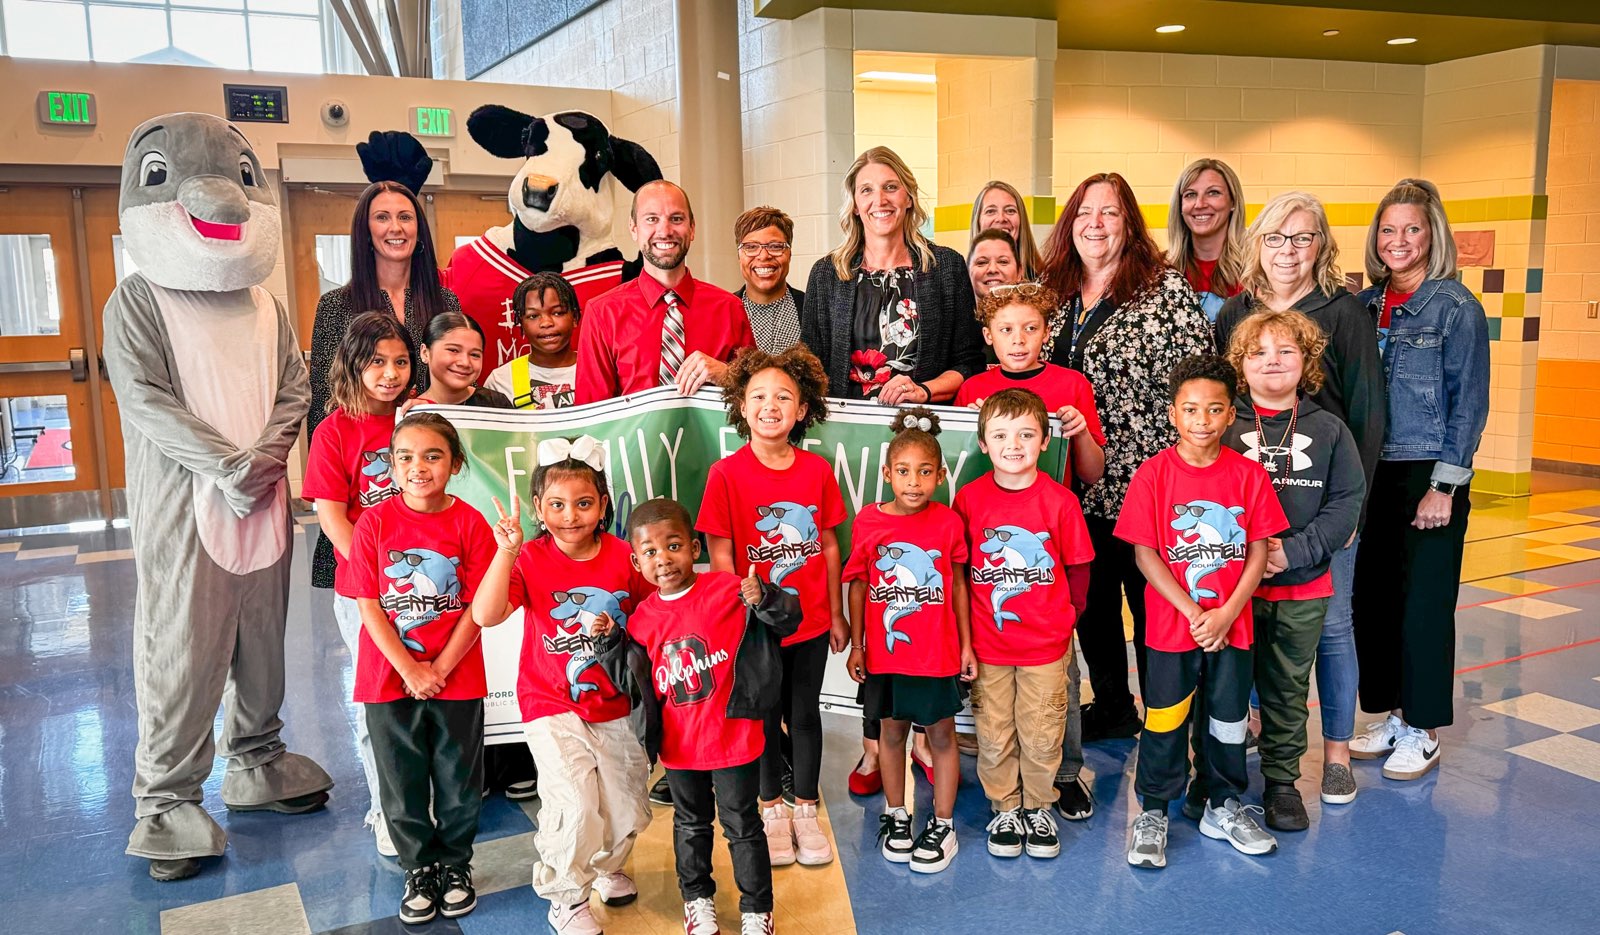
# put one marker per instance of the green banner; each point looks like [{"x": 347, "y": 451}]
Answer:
[{"x": 661, "y": 444}]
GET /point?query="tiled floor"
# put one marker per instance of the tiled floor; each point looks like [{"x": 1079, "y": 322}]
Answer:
[{"x": 1504, "y": 837}]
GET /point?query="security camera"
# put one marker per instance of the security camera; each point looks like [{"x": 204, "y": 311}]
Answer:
[{"x": 335, "y": 114}]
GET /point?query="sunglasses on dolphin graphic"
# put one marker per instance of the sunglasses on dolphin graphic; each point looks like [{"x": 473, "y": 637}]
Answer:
[
  {"x": 777, "y": 512},
  {"x": 409, "y": 559},
  {"x": 1000, "y": 534},
  {"x": 893, "y": 552},
  {"x": 563, "y": 596},
  {"x": 1178, "y": 509},
  {"x": 371, "y": 456}
]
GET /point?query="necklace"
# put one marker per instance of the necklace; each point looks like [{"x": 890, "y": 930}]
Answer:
[{"x": 1262, "y": 451}]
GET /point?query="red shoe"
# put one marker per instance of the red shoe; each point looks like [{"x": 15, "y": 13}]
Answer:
[
  {"x": 865, "y": 783},
  {"x": 927, "y": 768}
]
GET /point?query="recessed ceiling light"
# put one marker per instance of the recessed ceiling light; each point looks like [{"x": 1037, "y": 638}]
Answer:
[
  {"x": 1173, "y": 28},
  {"x": 1404, "y": 40},
  {"x": 898, "y": 76},
  {"x": 1330, "y": 32}
]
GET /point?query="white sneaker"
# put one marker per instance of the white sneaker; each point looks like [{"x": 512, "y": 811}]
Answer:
[
  {"x": 811, "y": 844},
  {"x": 573, "y": 920},
  {"x": 1377, "y": 739},
  {"x": 1235, "y": 824},
  {"x": 936, "y": 846},
  {"x": 380, "y": 831},
  {"x": 700, "y": 917},
  {"x": 755, "y": 923},
  {"x": 1414, "y": 756},
  {"x": 779, "y": 825},
  {"x": 616, "y": 889}
]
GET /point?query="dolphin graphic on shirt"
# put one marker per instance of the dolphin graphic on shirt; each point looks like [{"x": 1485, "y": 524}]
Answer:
[
  {"x": 428, "y": 575},
  {"x": 582, "y": 606},
  {"x": 904, "y": 565},
  {"x": 788, "y": 523},
  {"x": 375, "y": 480},
  {"x": 1013, "y": 547},
  {"x": 1208, "y": 523}
]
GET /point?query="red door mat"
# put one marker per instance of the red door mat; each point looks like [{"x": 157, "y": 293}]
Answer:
[{"x": 52, "y": 449}]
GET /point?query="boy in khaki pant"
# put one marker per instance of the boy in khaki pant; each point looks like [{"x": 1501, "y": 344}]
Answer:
[{"x": 1030, "y": 575}]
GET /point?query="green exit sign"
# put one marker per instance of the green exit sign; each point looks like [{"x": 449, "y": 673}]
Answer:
[
  {"x": 432, "y": 121},
  {"x": 67, "y": 108}
]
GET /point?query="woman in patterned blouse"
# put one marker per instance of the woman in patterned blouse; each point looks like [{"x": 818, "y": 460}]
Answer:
[{"x": 1129, "y": 318}]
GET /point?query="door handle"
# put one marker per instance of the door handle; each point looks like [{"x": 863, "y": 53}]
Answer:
[{"x": 79, "y": 363}]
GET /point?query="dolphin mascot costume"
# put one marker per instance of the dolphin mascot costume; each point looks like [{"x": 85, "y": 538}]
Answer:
[{"x": 212, "y": 391}]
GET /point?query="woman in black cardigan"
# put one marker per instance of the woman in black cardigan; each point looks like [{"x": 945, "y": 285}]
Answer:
[{"x": 889, "y": 313}]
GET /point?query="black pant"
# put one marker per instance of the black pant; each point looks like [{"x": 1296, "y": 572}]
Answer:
[
  {"x": 429, "y": 751},
  {"x": 803, "y": 665},
  {"x": 1407, "y": 584},
  {"x": 730, "y": 794},
  {"x": 1105, "y": 650},
  {"x": 1182, "y": 687},
  {"x": 506, "y": 764}
]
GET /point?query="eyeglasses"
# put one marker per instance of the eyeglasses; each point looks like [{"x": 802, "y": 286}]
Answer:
[
  {"x": 776, "y": 512},
  {"x": 1302, "y": 240},
  {"x": 397, "y": 557},
  {"x": 775, "y": 249},
  {"x": 1024, "y": 289}
]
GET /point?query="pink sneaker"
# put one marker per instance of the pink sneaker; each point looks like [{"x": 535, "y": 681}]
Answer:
[
  {"x": 811, "y": 844},
  {"x": 780, "y": 834},
  {"x": 573, "y": 920},
  {"x": 616, "y": 889}
]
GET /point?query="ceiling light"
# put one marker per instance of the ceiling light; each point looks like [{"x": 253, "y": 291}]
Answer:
[
  {"x": 1330, "y": 32},
  {"x": 1173, "y": 28},
  {"x": 1404, "y": 40},
  {"x": 897, "y": 76}
]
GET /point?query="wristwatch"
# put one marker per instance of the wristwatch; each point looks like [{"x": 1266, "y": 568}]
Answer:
[{"x": 1440, "y": 486}]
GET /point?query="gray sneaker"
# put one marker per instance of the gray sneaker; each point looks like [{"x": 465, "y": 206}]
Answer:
[
  {"x": 1235, "y": 824},
  {"x": 1147, "y": 844},
  {"x": 1338, "y": 785}
]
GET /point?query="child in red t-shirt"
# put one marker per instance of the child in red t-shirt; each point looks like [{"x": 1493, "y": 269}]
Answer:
[
  {"x": 592, "y": 769},
  {"x": 775, "y": 505},
  {"x": 1016, "y": 319},
  {"x": 1030, "y": 576},
  {"x": 347, "y": 473},
  {"x": 707, "y": 641},
  {"x": 1198, "y": 516},
  {"x": 910, "y": 643},
  {"x": 415, "y": 560}
]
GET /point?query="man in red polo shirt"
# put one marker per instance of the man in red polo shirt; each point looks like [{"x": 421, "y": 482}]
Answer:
[{"x": 665, "y": 327}]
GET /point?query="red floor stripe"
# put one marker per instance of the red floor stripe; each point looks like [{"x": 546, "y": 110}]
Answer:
[
  {"x": 1559, "y": 587},
  {"x": 1537, "y": 652}
]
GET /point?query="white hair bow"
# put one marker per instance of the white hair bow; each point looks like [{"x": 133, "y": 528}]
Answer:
[{"x": 585, "y": 448}]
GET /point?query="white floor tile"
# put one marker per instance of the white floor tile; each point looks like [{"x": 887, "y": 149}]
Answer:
[
  {"x": 1547, "y": 711},
  {"x": 1531, "y": 607},
  {"x": 274, "y": 911},
  {"x": 1576, "y": 755}
]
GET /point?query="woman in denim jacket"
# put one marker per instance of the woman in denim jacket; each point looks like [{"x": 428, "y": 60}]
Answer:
[{"x": 1435, "y": 343}]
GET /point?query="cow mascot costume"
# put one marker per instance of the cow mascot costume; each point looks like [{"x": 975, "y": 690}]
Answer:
[
  {"x": 561, "y": 217},
  {"x": 212, "y": 390}
]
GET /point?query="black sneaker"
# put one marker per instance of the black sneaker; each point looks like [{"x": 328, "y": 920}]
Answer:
[
  {"x": 936, "y": 846},
  {"x": 1042, "y": 838},
  {"x": 788, "y": 785},
  {"x": 1007, "y": 833},
  {"x": 456, "y": 895},
  {"x": 894, "y": 836},
  {"x": 1111, "y": 727},
  {"x": 661, "y": 793},
  {"x": 1074, "y": 801},
  {"x": 419, "y": 903},
  {"x": 1285, "y": 811},
  {"x": 522, "y": 791},
  {"x": 1194, "y": 803}
]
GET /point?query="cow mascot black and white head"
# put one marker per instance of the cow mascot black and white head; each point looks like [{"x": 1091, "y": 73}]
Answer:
[{"x": 561, "y": 198}]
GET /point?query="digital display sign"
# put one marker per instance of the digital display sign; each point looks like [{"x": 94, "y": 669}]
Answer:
[
  {"x": 433, "y": 121},
  {"x": 256, "y": 103},
  {"x": 67, "y": 108}
]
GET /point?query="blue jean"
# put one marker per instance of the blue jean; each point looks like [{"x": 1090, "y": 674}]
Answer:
[{"x": 1338, "y": 675}]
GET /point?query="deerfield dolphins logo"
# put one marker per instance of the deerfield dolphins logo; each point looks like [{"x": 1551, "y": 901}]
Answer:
[
  {"x": 1018, "y": 560},
  {"x": 908, "y": 580},
  {"x": 791, "y": 535},
  {"x": 575, "y": 609},
  {"x": 431, "y": 589},
  {"x": 375, "y": 482},
  {"x": 1209, "y": 537}
]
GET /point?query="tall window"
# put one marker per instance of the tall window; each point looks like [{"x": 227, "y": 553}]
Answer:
[{"x": 264, "y": 35}]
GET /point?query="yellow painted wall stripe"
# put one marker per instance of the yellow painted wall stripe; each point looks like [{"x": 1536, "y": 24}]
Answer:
[
  {"x": 1340, "y": 214},
  {"x": 958, "y": 217},
  {"x": 1167, "y": 720}
]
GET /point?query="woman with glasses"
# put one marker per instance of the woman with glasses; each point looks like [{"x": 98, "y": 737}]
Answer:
[
  {"x": 1206, "y": 225},
  {"x": 763, "y": 236},
  {"x": 1129, "y": 318},
  {"x": 999, "y": 206},
  {"x": 1294, "y": 265}
]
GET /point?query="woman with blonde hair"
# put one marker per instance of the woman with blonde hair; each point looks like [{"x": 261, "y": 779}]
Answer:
[
  {"x": 888, "y": 312},
  {"x": 1436, "y": 351},
  {"x": 999, "y": 206},
  {"x": 1294, "y": 264},
  {"x": 1205, "y": 230}
]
